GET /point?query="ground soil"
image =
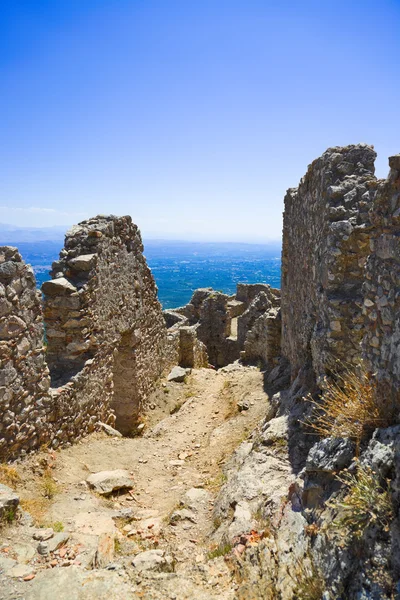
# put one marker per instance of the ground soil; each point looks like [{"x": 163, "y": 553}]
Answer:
[{"x": 177, "y": 452}]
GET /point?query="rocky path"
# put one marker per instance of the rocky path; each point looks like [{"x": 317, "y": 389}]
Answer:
[{"x": 152, "y": 541}]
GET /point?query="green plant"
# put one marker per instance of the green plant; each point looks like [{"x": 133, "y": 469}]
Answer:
[
  {"x": 117, "y": 546},
  {"x": 365, "y": 503},
  {"x": 48, "y": 485},
  {"x": 57, "y": 526},
  {"x": 217, "y": 522},
  {"x": 349, "y": 408},
  {"x": 221, "y": 550},
  {"x": 9, "y": 514},
  {"x": 215, "y": 483}
]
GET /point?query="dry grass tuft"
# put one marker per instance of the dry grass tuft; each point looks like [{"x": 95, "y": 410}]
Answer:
[
  {"x": 310, "y": 584},
  {"x": 9, "y": 475},
  {"x": 365, "y": 503},
  {"x": 48, "y": 485},
  {"x": 349, "y": 408},
  {"x": 36, "y": 507}
]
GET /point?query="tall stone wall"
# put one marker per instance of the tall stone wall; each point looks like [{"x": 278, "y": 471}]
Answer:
[
  {"x": 381, "y": 344},
  {"x": 326, "y": 232},
  {"x": 102, "y": 302},
  {"x": 106, "y": 339},
  {"x": 25, "y": 403}
]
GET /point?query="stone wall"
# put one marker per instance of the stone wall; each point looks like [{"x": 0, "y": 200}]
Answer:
[
  {"x": 381, "y": 345},
  {"x": 106, "y": 339},
  {"x": 103, "y": 302},
  {"x": 25, "y": 403},
  {"x": 326, "y": 231},
  {"x": 246, "y": 325}
]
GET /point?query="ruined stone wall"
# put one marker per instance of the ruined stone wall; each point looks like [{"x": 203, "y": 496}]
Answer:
[
  {"x": 229, "y": 327},
  {"x": 326, "y": 232},
  {"x": 381, "y": 344},
  {"x": 106, "y": 339},
  {"x": 214, "y": 330},
  {"x": 25, "y": 403},
  {"x": 103, "y": 302}
]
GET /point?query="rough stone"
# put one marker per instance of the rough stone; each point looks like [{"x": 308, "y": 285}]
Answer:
[
  {"x": 73, "y": 582},
  {"x": 178, "y": 374},
  {"x": 9, "y": 501},
  {"x": 153, "y": 560},
  {"x": 330, "y": 455},
  {"x": 106, "y": 482},
  {"x": 58, "y": 540},
  {"x": 109, "y": 430}
]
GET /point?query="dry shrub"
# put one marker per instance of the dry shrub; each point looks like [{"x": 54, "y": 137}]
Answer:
[
  {"x": 350, "y": 407},
  {"x": 365, "y": 503},
  {"x": 36, "y": 507},
  {"x": 9, "y": 475},
  {"x": 309, "y": 582},
  {"x": 48, "y": 485}
]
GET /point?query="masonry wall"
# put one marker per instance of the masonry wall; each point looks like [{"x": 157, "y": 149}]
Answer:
[
  {"x": 25, "y": 404},
  {"x": 381, "y": 306},
  {"x": 106, "y": 339},
  {"x": 103, "y": 303},
  {"x": 326, "y": 231}
]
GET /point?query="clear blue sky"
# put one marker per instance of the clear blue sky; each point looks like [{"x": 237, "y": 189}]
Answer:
[{"x": 193, "y": 116}]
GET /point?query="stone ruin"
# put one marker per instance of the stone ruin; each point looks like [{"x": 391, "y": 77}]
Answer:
[
  {"x": 340, "y": 305},
  {"x": 245, "y": 325},
  {"x": 106, "y": 339},
  {"x": 92, "y": 351},
  {"x": 341, "y": 268}
]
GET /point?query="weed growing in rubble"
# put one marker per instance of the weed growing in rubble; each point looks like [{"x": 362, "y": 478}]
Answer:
[
  {"x": 57, "y": 526},
  {"x": 9, "y": 475},
  {"x": 221, "y": 550},
  {"x": 9, "y": 515},
  {"x": 36, "y": 507},
  {"x": 349, "y": 408},
  {"x": 365, "y": 503},
  {"x": 309, "y": 582},
  {"x": 48, "y": 485}
]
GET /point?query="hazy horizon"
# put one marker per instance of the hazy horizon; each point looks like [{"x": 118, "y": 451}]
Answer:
[{"x": 13, "y": 230}]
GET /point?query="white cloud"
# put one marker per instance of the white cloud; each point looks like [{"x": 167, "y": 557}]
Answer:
[{"x": 41, "y": 210}]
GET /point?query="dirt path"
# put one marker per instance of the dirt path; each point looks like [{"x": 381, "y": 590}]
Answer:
[{"x": 176, "y": 472}]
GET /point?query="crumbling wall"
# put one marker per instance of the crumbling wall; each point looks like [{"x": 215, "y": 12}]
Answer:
[
  {"x": 381, "y": 307},
  {"x": 263, "y": 340},
  {"x": 230, "y": 327},
  {"x": 106, "y": 339},
  {"x": 326, "y": 232},
  {"x": 102, "y": 302},
  {"x": 25, "y": 402},
  {"x": 215, "y": 328}
]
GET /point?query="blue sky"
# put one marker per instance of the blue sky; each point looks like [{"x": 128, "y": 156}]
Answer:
[{"x": 193, "y": 116}]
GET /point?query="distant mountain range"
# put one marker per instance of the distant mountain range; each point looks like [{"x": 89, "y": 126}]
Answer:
[{"x": 12, "y": 234}]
